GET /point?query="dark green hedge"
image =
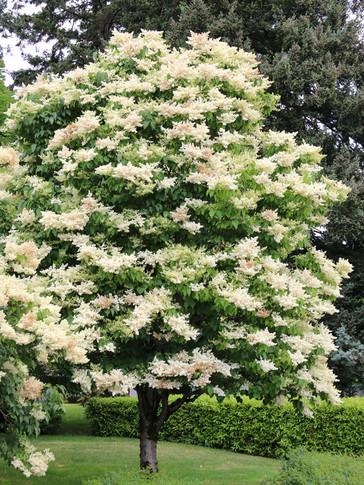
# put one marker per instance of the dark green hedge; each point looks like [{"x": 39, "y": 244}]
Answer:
[{"x": 249, "y": 428}]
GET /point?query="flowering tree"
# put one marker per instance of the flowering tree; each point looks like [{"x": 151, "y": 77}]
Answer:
[
  {"x": 30, "y": 331},
  {"x": 176, "y": 227}
]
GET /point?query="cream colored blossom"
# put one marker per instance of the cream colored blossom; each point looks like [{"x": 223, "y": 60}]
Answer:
[
  {"x": 38, "y": 414},
  {"x": 270, "y": 215},
  {"x": 266, "y": 365},
  {"x": 73, "y": 220},
  {"x": 26, "y": 217},
  {"x": 262, "y": 337},
  {"x": 9, "y": 157},
  {"x": 32, "y": 389},
  {"x": 180, "y": 325},
  {"x": 26, "y": 256},
  {"x": 86, "y": 123}
]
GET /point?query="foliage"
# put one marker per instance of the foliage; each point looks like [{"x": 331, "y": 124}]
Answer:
[
  {"x": 354, "y": 401},
  {"x": 56, "y": 410},
  {"x": 311, "y": 50},
  {"x": 30, "y": 331},
  {"x": 124, "y": 411},
  {"x": 308, "y": 468},
  {"x": 348, "y": 327},
  {"x": 5, "y": 99},
  {"x": 171, "y": 229},
  {"x": 249, "y": 427}
]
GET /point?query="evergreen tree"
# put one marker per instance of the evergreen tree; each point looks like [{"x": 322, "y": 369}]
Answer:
[{"x": 310, "y": 49}]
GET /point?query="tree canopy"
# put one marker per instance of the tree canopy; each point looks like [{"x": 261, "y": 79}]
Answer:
[
  {"x": 311, "y": 50},
  {"x": 173, "y": 228}
]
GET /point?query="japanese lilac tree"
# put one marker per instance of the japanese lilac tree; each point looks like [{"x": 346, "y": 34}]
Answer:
[{"x": 178, "y": 227}]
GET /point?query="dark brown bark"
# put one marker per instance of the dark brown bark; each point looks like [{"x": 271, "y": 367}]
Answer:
[
  {"x": 148, "y": 403},
  {"x": 148, "y": 452},
  {"x": 152, "y": 416}
]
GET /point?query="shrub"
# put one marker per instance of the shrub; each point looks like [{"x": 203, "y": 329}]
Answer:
[
  {"x": 357, "y": 402},
  {"x": 113, "y": 416},
  {"x": 248, "y": 427},
  {"x": 51, "y": 400},
  {"x": 308, "y": 468},
  {"x": 54, "y": 400}
]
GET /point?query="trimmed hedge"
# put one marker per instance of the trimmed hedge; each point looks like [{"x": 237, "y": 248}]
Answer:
[{"x": 249, "y": 427}]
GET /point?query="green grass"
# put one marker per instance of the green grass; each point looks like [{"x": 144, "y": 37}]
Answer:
[
  {"x": 74, "y": 421},
  {"x": 79, "y": 456}
]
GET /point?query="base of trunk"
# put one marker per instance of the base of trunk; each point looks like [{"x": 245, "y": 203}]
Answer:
[{"x": 148, "y": 455}]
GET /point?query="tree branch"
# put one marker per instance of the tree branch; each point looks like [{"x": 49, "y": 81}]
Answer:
[
  {"x": 163, "y": 416},
  {"x": 186, "y": 398}
]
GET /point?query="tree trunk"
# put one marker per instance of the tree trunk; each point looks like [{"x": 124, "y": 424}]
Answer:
[
  {"x": 150, "y": 424},
  {"x": 152, "y": 416},
  {"x": 148, "y": 452}
]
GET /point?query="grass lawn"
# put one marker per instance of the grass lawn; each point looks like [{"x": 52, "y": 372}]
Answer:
[
  {"x": 74, "y": 421},
  {"x": 79, "y": 456}
]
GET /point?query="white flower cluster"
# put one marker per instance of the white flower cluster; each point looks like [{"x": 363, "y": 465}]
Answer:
[
  {"x": 25, "y": 257},
  {"x": 197, "y": 368},
  {"x": 74, "y": 220},
  {"x": 179, "y": 324},
  {"x": 65, "y": 280},
  {"x": 109, "y": 263},
  {"x": 154, "y": 303},
  {"x": 266, "y": 365},
  {"x": 86, "y": 123},
  {"x": 181, "y": 215},
  {"x": 116, "y": 381},
  {"x": 9, "y": 157},
  {"x": 45, "y": 332},
  {"x": 36, "y": 463},
  {"x": 237, "y": 295}
]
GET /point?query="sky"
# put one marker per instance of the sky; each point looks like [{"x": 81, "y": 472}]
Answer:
[{"x": 14, "y": 60}]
